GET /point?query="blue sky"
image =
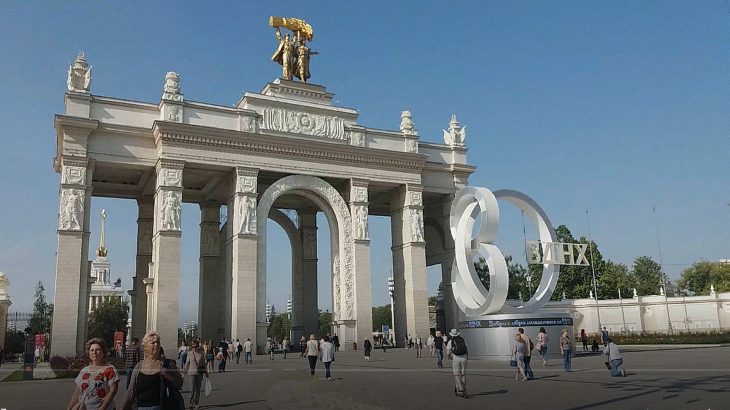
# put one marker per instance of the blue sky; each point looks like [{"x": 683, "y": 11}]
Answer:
[{"x": 609, "y": 106}]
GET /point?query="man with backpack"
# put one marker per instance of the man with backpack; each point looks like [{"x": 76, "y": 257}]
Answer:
[{"x": 457, "y": 347}]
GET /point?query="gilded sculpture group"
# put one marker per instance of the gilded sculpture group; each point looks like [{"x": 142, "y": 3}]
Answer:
[{"x": 293, "y": 54}]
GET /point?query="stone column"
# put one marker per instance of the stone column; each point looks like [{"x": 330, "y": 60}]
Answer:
[
  {"x": 451, "y": 310},
  {"x": 145, "y": 223},
  {"x": 71, "y": 296},
  {"x": 210, "y": 289},
  {"x": 242, "y": 244},
  {"x": 358, "y": 196},
  {"x": 4, "y": 305},
  {"x": 409, "y": 262},
  {"x": 305, "y": 307},
  {"x": 166, "y": 252}
]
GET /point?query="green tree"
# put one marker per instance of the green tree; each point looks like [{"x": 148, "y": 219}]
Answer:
[
  {"x": 325, "y": 324},
  {"x": 279, "y": 327},
  {"x": 696, "y": 279},
  {"x": 381, "y": 316},
  {"x": 647, "y": 276},
  {"x": 615, "y": 276},
  {"x": 14, "y": 342},
  {"x": 432, "y": 301},
  {"x": 109, "y": 316},
  {"x": 40, "y": 320},
  {"x": 517, "y": 277}
]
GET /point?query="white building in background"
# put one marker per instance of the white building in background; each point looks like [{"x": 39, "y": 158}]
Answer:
[{"x": 101, "y": 287}]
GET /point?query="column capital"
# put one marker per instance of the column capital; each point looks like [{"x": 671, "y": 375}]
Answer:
[
  {"x": 359, "y": 191},
  {"x": 245, "y": 181}
]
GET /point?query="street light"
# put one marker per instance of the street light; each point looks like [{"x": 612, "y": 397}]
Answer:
[{"x": 391, "y": 289}]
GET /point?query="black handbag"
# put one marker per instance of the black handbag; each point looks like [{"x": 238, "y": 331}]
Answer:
[{"x": 172, "y": 398}]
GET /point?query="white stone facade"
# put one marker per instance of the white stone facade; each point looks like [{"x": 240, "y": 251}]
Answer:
[{"x": 285, "y": 148}]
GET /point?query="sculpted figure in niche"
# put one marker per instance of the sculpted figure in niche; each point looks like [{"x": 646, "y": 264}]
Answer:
[
  {"x": 284, "y": 55},
  {"x": 361, "y": 222},
  {"x": 170, "y": 211},
  {"x": 72, "y": 207},
  {"x": 247, "y": 215},
  {"x": 416, "y": 226},
  {"x": 210, "y": 234}
]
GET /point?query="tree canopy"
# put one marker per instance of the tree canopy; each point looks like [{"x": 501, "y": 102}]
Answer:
[
  {"x": 696, "y": 279},
  {"x": 108, "y": 317},
  {"x": 42, "y": 317},
  {"x": 325, "y": 324},
  {"x": 279, "y": 327},
  {"x": 381, "y": 316},
  {"x": 647, "y": 276}
]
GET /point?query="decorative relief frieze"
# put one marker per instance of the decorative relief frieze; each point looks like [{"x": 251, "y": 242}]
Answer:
[
  {"x": 247, "y": 215},
  {"x": 415, "y": 198},
  {"x": 71, "y": 215},
  {"x": 412, "y": 145},
  {"x": 211, "y": 239},
  {"x": 416, "y": 219},
  {"x": 247, "y": 124},
  {"x": 279, "y": 119},
  {"x": 337, "y": 288},
  {"x": 170, "y": 209},
  {"x": 357, "y": 139},
  {"x": 174, "y": 114},
  {"x": 359, "y": 194},
  {"x": 73, "y": 175},
  {"x": 360, "y": 216},
  {"x": 144, "y": 237},
  {"x": 246, "y": 184},
  {"x": 170, "y": 178}
]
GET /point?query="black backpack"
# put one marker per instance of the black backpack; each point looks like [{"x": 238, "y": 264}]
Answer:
[{"x": 458, "y": 346}]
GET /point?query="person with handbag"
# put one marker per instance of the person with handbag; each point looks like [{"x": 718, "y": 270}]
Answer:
[
  {"x": 156, "y": 381},
  {"x": 518, "y": 357},
  {"x": 195, "y": 368},
  {"x": 97, "y": 383},
  {"x": 528, "y": 352}
]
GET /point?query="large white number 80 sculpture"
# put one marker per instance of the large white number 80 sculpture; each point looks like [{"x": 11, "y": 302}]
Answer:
[{"x": 470, "y": 294}]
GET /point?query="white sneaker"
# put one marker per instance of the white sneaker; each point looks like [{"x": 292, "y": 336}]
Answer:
[
  {"x": 329, "y": 378},
  {"x": 623, "y": 372}
]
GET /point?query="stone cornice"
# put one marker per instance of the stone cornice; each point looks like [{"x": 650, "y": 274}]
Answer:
[
  {"x": 76, "y": 124},
  {"x": 236, "y": 141},
  {"x": 453, "y": 168}
]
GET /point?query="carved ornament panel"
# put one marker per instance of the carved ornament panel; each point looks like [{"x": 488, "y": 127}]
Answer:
[{"x": 283, "y": 120}]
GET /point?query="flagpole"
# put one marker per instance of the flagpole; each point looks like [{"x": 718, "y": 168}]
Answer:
[
  {"x": 661, "y": 266},
  {"x": 593, "y": 269}
]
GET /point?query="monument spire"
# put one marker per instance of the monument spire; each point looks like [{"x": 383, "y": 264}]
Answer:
[{"x": 101, "y": 252}]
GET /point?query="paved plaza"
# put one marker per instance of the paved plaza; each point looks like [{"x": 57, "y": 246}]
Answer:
[{"x": 657, "y": 378}]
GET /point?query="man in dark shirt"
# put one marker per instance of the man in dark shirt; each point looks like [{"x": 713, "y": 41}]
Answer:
[
  {"x": 131, "y": 358},
  {"x": 439, "y": 343},
  {"x": 223, "y": 346},
  {"x": 336, "y": 342}
]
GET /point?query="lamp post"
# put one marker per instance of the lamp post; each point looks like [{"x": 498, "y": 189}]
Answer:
[
  {"x": 623, "y": 315},
  {"x": 661, "y": 266},
  {"x": 391, "y": 288},
  {"x": 593, "y": 269}
]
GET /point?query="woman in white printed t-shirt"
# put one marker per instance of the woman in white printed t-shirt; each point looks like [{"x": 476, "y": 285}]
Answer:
[{"x": 542, "y": 343}]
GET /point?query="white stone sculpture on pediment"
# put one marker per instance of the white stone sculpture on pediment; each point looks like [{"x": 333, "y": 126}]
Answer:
[
  {"x": 406, "y": 124},
  {"x": 361, "y": 222},
  {"x": 170, "y": 210},
  {"x": 283, "y": 120},
  {"x": 246, "y": 184},
  {"x": 79, "y": 76},
  {"x": 171, "y": 177},
  {"x": 171, "y": 90},
  {"x": 456, "y": 135},
  {"x": 247, "y": 215},
  {"x": 416, "y": 225},
  {"x": 73, "y": 175},
  {"x": 72, "y": 209}
]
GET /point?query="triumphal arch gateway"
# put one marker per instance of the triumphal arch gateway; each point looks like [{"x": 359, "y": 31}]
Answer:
[{"x": 285, "y": 154}]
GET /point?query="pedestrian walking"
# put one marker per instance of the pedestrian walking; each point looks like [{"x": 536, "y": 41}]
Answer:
[
  {"x": 604, "y": 337},
  {"x": 302, "y": 347},
  {"x": 368, "y": 347},
  {"x": 97, "y": 383},
  {"x": 542, "y": 344},
  {"x": 183, "y": 354},
  {"x": 383, "y": 344},
  {"x": 194, "y": 370},
  {"x": 614, "y": 359},
  {"x": 518, "y": 352},
  {"x": 285, "y": 346},
  {"x": 131, "y": 358},
  {"x": 439, "y": 346},
  {"x": 584, "y": 340},
  {"x": 156, "y": 381},
  {"x": 566, "y": 349},
  {"x": 327, "y": 356},
  {"x": 457, "y": 347},
  {"x": 270, "y": 348},
  {"x": 223, "y": 352},
  {"x": 237, "y": 349},
  {"x": 528, "y": 353},
  {"x": 209, "y": 355},
  {"x": 312, "y": 353},
  {"x": 336, "y": 342},
  {"x": 418, "y": 346},
  {"x": 247, "y": 351}
]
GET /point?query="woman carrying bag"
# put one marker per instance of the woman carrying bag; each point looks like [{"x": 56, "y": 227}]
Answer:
[
  {"x": 156, "y": 381},
  {"x": 195, "y": 368},
  {"x": 518, "y": 358}
]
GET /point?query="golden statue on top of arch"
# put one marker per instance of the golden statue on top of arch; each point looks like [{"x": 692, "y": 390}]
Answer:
[{"x": 293, "y": 54}]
